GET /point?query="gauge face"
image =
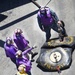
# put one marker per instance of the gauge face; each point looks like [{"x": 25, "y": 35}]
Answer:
[{"x": 55, "y": 57}]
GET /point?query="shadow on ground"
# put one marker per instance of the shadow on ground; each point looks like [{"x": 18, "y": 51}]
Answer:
[
  {"x": 2, "y": 43},
  {"x": 18, "y": 20},
  {"x": 10, "y": 4},
  {"x": 2, "y": 17}
]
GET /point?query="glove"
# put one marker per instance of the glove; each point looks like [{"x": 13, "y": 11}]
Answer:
[{"x": 34, "y": 47}]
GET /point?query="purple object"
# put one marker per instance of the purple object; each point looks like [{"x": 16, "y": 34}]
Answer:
[
  {"x": 20, "y": 41},
  {"x": 24, "y": 60},
  {"x": 46, "y": 20},
  {"x": 10, "y": 51}
]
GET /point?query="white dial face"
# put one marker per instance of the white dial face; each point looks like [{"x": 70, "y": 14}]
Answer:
[{"x": 55, "y": 57}]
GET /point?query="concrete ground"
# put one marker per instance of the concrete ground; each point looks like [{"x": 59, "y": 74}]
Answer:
[{"x": 22, "y": 14}]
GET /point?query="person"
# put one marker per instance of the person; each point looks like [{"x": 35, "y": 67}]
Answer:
[
  {"x": 21, "y": 42},
  {"x": 10, "y": 49},
  {"x": 22, "y": 70},
  {"x": 22, "y": 59},
  {"x": 62, "y": 31},
  {"x": 47, "y": 19}
]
